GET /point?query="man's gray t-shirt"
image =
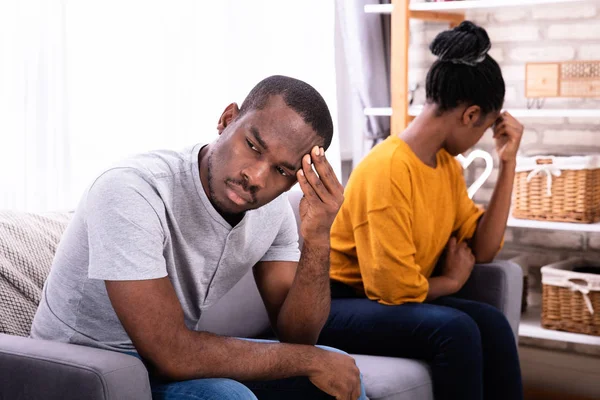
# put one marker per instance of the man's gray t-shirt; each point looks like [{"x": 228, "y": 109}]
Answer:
[{"x": 148, "y": 218}]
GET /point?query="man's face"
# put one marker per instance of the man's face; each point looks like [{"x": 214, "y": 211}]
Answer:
[{"x": 257, "y": 156}]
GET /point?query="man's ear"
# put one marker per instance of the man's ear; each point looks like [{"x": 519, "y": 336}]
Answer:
[
  {"x": 471, "y": 115},
  {"x": 230, "y": 113}
]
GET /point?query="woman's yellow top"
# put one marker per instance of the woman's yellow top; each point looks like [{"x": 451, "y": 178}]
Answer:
[{"x": 397, "y": 217}]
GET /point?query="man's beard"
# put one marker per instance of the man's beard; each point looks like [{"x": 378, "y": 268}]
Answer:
[
  {"x": 211, "y": 190},
  {"x": 219, "y": 206}
]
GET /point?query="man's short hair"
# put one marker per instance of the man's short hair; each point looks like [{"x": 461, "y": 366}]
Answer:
[{"x": 299, "y": 96}]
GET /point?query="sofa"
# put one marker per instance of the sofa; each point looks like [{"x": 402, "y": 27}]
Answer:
[{"x": 35, "y": 369}]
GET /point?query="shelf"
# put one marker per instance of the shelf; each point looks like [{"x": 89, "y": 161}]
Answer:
[
  {"x": 452, "y": 6},
  {"x": 555, "y": 226},
  {"x": 387, "y": 111},
  {"x": 517, "y": 113},
  {"x": 531, "y": 327},
  {"x": 555, "y": 113}
]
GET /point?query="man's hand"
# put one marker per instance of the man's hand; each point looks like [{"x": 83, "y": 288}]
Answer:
[
  {"x": 507, "y": 133},
  {"x": 323, "y": 197},
  {"x": 337, "y": 375},
  {"x": 298, "y": 299},
  {"x": 459, "y": 263}
]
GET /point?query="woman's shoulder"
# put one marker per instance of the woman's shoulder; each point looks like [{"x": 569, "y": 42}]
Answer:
[
  {"x": 385, "y": 167},
  {"x": 386, "y": 161}
]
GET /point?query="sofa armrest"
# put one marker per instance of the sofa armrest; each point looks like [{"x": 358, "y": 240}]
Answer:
[
  {"x": 39, "y": 369},
  {"x": 499, "y": 284}
]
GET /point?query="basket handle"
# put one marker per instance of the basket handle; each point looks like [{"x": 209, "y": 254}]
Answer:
[{"x": 575, "y": 285}]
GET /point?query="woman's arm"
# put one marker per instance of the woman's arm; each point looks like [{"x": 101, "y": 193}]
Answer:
[{"x": 492, "y": 225}]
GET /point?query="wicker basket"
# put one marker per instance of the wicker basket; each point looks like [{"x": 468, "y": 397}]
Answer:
[
  {"x": 565, "y": 189},
  {"x": 571, "y": 300}
]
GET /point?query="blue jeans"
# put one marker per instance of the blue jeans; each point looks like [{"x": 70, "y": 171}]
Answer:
[
  {"x": 298, "y": 388},
  {"x": 469, "y": 345}
]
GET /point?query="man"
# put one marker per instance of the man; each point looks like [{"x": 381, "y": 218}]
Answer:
[{"x": 164, "y": 235}]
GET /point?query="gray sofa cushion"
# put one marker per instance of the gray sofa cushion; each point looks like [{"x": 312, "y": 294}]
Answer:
[{"x": 389, "y": 378}]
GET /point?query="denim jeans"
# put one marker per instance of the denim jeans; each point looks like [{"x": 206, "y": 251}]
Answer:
[
  {"x": 469, "y": 345},
  {"x": 298, "y": 388}
]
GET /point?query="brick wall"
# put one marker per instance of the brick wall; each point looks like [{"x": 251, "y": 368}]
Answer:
[{"x": 520, "y": 35}]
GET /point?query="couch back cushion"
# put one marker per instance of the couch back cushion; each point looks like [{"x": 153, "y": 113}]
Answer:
[{"x": 27, "y": 246}]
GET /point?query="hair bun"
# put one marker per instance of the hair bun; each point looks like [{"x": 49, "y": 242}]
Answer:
[{"x": 466, "y": 44}]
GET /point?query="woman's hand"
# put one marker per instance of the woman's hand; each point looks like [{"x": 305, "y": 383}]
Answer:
[{"x": 507, "y": 133}]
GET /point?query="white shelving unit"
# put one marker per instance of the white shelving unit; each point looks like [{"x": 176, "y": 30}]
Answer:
[
  {"x": 458, "y": 8},
  {"x": 531, "y": 327},
  {"x": 556, "y": 226},
  {"x": 464, "y": 5},
  {"x": 517, "y": 112}
]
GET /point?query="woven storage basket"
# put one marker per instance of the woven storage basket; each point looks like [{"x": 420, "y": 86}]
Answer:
[
  {"x": 565, "y": 189},
  {"x": 571, "y": 300}
]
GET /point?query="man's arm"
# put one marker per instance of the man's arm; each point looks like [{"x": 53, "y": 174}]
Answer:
[
  {"x": 297, "y": 296},
  {"x": 152, "y": 317},
  {"x": 492, "y": 225}
]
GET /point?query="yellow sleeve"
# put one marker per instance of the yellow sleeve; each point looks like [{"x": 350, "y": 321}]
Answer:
[
  {"x": 386, "y": 257},
  {"x": 467, "y": 214}
]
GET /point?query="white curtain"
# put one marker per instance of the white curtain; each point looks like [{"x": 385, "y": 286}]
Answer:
[
  {"x": 34, "y": 146},
  {"x": 363, "y": 72},
  {"x": 155, "y": 74}
]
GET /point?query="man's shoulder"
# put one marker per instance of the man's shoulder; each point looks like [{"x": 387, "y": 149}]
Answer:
[
  {"x": 143, "y": 172},
  {"x": 159, "y": 163},
  {"x": 118, "y": 180}
]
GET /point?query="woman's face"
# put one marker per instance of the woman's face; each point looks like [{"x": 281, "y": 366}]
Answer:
[{"x": 469, "y": 131}]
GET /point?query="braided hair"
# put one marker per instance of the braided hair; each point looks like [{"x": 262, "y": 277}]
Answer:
[{"x": 464, "y": 73}]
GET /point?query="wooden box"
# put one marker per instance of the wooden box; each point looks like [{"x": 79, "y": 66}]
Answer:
[{"x": 562, "y": 79}]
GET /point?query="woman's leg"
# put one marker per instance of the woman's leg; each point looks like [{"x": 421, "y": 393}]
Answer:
[
  {"x": 501, "y": 369},
  {"x": 445, "y": 337}
]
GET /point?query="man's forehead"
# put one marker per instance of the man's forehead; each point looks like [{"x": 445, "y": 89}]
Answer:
[
  {"x": 280, "y": 126},
  {"x": 286, "y": 145}
]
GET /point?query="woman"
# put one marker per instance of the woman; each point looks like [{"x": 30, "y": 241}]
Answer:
[{"x": 406, "y": 210}]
